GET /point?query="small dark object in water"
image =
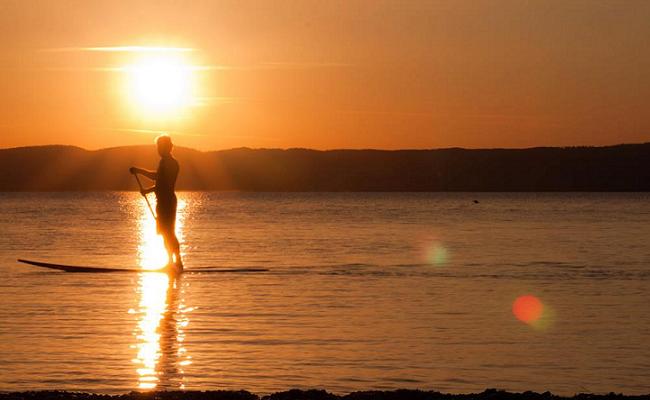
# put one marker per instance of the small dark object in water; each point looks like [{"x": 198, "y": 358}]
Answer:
[{"x": 475, "y": 201}]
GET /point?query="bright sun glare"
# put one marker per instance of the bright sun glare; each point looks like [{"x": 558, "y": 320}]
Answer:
[{"x": 159, "y": 84}]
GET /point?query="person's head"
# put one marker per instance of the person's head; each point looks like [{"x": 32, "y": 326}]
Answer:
[{"x": 164, "y": 144}]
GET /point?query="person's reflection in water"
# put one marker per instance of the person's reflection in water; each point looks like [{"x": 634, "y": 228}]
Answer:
[{"x": 172, "y": 322}]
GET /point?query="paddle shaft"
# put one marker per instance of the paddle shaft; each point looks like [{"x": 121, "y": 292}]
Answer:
[{"x": 137, "y": 178}]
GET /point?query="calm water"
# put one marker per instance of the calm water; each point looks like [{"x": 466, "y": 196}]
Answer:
[{"x": 364, "y": 291}]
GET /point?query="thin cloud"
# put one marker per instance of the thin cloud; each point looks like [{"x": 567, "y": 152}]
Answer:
[
  {"x": 269, "y": 66},
  {"x": 208, "y": 100},
  {"x": 389, "y": 112},
  {"x": 155, "y": 132},
  {"x": 305, "y": 65},
  {"x": 275, "y": 65},
  {"x": 121, "y": 49},
  {"x": 78, "y": 69},
  {"x": 208, "y": 68},
  {"x": 281, "y": 66},
  {"x": 196, "y": 68},
  {"x": 489, "y": 117}
]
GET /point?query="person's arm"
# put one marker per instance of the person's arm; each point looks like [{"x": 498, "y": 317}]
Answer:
[{"x": 149, "y": 174}]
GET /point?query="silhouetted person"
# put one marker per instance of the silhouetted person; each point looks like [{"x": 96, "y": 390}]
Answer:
[{"x": 165, "y": 178}]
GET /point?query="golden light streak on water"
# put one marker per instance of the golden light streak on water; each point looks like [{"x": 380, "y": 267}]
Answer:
[
  {"x": 162, "y": 316},
  {"x": 153, "y": 295}
]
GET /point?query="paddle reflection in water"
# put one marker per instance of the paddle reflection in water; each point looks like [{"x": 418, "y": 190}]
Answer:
[{"x": 162, "y": 316}]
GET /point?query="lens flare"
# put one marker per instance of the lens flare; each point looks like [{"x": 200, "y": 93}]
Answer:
[
  {"x": 530, "y": 310},
  {"x": 436, "y": 254}
]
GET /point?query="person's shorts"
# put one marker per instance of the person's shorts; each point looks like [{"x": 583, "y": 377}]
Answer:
[{"x": 166, "y": 217}]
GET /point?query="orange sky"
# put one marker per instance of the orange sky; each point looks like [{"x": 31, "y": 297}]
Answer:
[{"x": 332, "y": 74}]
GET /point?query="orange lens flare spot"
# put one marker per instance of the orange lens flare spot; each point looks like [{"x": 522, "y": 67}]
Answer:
[{"x": 528, "y": 309}]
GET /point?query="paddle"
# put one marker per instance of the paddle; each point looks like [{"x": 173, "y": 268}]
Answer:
[{"x": 137, "y": 178}]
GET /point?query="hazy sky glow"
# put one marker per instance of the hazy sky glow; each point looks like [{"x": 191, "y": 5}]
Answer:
[{"x": 325, "y": 74}]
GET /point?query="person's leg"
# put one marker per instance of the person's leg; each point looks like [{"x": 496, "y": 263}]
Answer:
[
  {"x": 169, "y": 248},
  {"x": 176, "y": 249},
  {"x": 174, "y": 243},
  {"x": 165, "y": 221},
  {"x": 167, "y": 228}
]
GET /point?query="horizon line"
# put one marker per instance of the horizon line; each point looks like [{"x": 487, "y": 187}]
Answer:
[{"x": 332, "y": 149}]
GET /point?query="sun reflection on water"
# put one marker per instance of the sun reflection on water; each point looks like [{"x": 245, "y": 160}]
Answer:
[{"x": 162, "y": 316}]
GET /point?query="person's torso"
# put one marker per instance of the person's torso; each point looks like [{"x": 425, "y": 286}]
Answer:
[{"x": 166, "y": 179}]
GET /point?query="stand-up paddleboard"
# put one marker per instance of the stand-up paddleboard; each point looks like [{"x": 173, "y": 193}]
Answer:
[{"x": 77, "y": 268}]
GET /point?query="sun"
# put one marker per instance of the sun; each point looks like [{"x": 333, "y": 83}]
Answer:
[{"x": 159, "y": 85}]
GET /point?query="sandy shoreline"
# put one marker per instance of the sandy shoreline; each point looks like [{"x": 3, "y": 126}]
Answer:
[{"x": 489, "y": 394}]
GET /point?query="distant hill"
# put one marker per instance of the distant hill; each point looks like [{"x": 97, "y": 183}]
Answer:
[{"x": 67, "y": 168}]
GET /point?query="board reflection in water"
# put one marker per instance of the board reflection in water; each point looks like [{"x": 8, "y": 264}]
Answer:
[{"x": 162, "y": 316}]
